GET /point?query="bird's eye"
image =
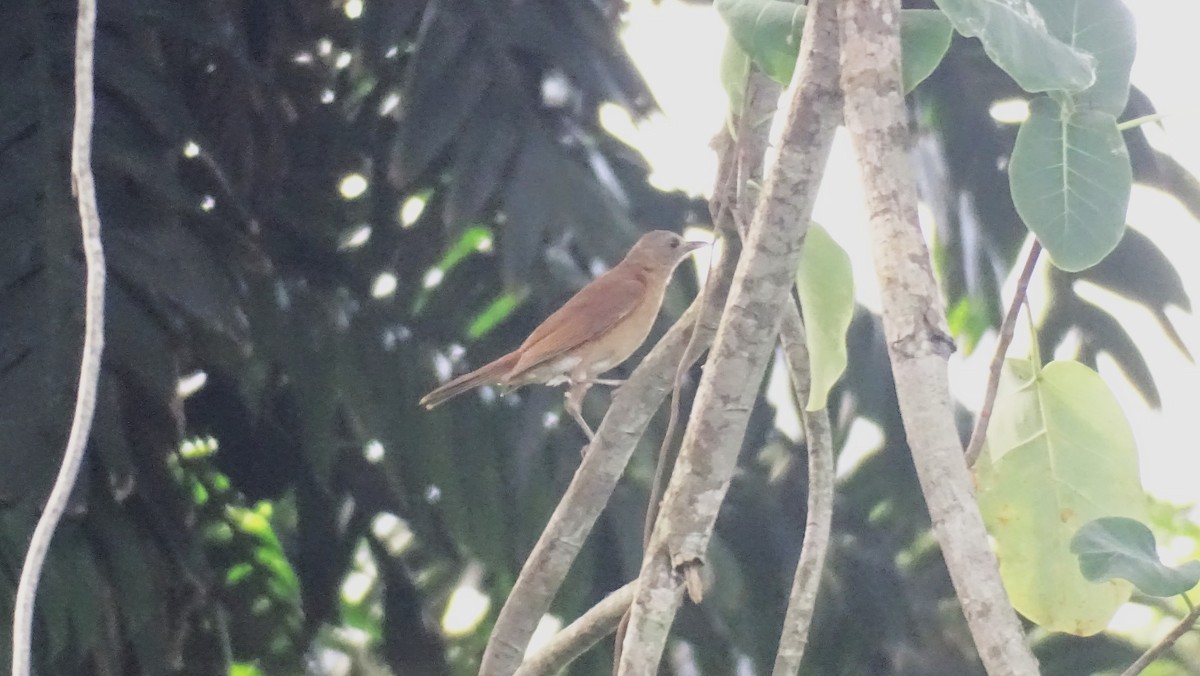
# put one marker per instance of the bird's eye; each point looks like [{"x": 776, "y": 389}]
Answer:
[{"x": 674, "y": 244}]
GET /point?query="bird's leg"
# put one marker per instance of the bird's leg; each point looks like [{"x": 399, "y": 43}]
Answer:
[{"x": 574, "y": 406}]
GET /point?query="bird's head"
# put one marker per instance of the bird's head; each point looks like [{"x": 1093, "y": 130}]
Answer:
[{"x": 661, "y": 249}]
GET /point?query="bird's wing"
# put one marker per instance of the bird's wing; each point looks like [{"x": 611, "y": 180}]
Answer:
[{"x": 594, "y": 311}]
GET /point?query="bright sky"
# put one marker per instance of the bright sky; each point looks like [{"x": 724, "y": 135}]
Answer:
[{"x": 682, "y": 70}]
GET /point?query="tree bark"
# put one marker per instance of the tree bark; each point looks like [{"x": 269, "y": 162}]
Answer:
[
  {"x": 741, "y": 349},
  {"x": 599, "y": 621},
  {"x": 762, "y": 96},
  {"x": 915, "y": 328}
]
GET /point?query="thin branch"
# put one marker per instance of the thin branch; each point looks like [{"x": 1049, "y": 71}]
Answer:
[
  {"x": 914, "y": 322},
  {"x": 568, "y": 644},
  {"x": 1185, "y": 625},
  {"x": 634, "y": 403},
  {"x": 93, "y": 341},
  {"x": 748, "y": 330},
  {"x": 802, "y": 600},
  {"x": 979, "y": 434}
]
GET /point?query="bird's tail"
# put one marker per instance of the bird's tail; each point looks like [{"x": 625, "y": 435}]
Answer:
[{"x": 493, "y": 372}]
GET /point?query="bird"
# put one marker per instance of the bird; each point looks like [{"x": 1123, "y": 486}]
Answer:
[{"x": 595, "y": 330}]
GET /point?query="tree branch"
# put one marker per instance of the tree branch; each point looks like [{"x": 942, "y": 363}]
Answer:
[
  {"x": 634, "y": 403},
  {"x": 93, "y": 340},
  {"x": 599, "y": 621},
  {"x": 979, "y": 434},
  {"x": 762, "y": 95},
  {"x": 915, "y": 328},
  {"x": 724, "y": 230},
  {"x": 741, "y": 349},
  {"x": 1185, "y": 625},
  {"x": 803, "y": 598}
]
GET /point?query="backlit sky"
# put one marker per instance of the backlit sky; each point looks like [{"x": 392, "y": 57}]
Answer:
[{"x": 677, "y": 46}]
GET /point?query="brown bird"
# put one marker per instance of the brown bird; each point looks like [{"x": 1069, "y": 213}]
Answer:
[{"x": 595, "y": 330}]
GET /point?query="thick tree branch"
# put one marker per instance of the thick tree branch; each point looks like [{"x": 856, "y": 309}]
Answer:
[
  {"x": 762, "y": 95},
  {"x": 741, "y": 349},
  {"x": 915, "y": 328},
  {"x": 634, "y": 403},
  {"x": 93, "y": 340},
  {"x": 599, "y": 621},
  {"x": 1007, "y": 328}
]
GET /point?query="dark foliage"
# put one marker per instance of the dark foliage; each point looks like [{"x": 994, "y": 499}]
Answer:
[{"x": 225, "y": 524}]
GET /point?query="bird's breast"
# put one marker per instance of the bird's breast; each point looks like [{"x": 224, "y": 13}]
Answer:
[{"x": 623, "y": 339}]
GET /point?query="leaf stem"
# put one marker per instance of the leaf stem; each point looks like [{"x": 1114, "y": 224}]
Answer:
[
  {"x": 979, "y": 434},
  {"x": 1139, "y": 121}
]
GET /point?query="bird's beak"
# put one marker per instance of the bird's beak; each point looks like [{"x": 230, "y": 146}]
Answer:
[{"x": 689, "y": 247}]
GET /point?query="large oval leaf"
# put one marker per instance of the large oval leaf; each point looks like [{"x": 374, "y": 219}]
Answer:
[
  {"x": 1016, "y": 38},
  {"x": 1060, "y": 454},
  {"x": 1070, "y": 179},
  {"x": 769, "y": 31},
  {"x": 825, "y": 284},
  {"x": 1104, "y": 29}
]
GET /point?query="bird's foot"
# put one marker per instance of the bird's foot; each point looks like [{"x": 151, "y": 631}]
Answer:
[{"x": 574, "y": 406}]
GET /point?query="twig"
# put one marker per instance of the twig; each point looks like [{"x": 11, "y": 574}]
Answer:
[
  {"x": 1185, "y": 625},
  {"x": 914, "y": 322},
  {"x": 741, "y": 350},
  {"x": 93, "y": 341},
  {"x": 634, "y": 403},
  {"x": 979, "y": 434},
  {"x": 568, "y": 644}
]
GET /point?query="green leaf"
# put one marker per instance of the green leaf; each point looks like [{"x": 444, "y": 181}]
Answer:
[
  {"x": 496, "y": 312},
  {"x": 825, "y": 284},
  {"x": 475, "y": 238},
  {"x": 924, "y": 38},
  {"x": 735, "y": 66},
  {"x": 769, "y": 32},
  {"x": 1016, "y": 38},
  {"x": 1116, "y": 547},
  {"x": 1105, "y": 29},
  {"x": 1070, "y": 179},
  {"x": 968, "y": 320},
  {"x": 1060, "y": 454}
]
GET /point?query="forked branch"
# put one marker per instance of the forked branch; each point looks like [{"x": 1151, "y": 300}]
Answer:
[{"x": 741, "y": 349}]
